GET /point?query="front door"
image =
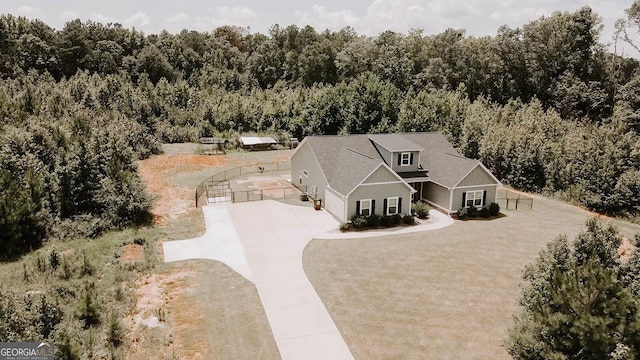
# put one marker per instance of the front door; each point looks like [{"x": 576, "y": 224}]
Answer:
[{"x": 417, "y": 196}]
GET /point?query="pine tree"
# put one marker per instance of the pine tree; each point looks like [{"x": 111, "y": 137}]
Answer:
[{"x": 579, "y": 302}]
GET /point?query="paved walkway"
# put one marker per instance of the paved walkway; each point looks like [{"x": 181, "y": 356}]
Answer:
[{"x": 264, "y": 242}]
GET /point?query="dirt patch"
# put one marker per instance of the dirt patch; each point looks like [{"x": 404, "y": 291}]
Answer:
[
  {"x": 148, "y": 334},
  {"x": 132, "y": 253},
  {"x": 625, "y": 249},
  {"x": 171, "y": 199},
  {"x": 263, "y": 182}
]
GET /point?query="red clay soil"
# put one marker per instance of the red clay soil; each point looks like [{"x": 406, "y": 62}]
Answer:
[
  {"x": 172, "y": 200},
  {"x": 132, "y": 253}
]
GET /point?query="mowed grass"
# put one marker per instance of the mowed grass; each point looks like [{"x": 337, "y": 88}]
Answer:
[
  {"x": 216, "y": 313},
  {"x": 444, "y": 294}
]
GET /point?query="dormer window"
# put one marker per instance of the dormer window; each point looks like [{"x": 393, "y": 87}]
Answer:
[{"x": 405, "y": 159}]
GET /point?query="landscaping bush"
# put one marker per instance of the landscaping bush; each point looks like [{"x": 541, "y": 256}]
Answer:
[
  {"x": 421, "y": 209},
  {"x": 373, "y": 220},
  {"x": 462, "y": 214},
  {"x": 472, "y": 212},
  {"x": 395, "y": 219},
  {"x": 409, "y": 219},
  {"x": 359, "y": 221},
  {"x": 494, "y": 209},
  {"x": 484, "y": 213}
]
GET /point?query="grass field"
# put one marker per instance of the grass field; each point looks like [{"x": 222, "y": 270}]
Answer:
[
  {"x": 210, "y": 311},
  {"x": 444, "y": 294}
]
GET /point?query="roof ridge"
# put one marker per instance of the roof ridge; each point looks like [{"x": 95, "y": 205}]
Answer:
[
  {"x": 458, "y": 156},
  {"x": 359, "y": 153}
]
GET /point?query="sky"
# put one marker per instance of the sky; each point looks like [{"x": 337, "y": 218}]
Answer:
[{"x": 367, "y": 17}]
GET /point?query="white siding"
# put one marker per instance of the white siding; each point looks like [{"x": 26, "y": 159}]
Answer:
[{"x": 304, "y": 160}]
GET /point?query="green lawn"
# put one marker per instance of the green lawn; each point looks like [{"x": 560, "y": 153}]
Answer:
[{"x": 444, "y": 294}]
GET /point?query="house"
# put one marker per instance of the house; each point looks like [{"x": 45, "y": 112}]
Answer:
[{"x": 383, "y": 173}]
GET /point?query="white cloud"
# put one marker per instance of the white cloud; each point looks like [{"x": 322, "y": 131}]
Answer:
[
  {"x": 238, "y": 15},
  {"x": 320, "y": 18},
  {"x": 398, "y": 15},
  {"x": 29, "y": 11},
  {"x": 138, "y": 19},
  {"x": 178, "y": 18},
  {"x": 102, "y": 18},
  {"x": 68, "y": 16}
]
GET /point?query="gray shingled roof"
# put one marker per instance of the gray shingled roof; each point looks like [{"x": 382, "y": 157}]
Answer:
[
  {"x": 347, "y": 160},
  {"x": 395, "y": 142},
  {"x": 445, "y": 165}
]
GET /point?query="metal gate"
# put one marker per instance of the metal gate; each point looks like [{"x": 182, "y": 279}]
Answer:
[{"x": 218, "y": 192}]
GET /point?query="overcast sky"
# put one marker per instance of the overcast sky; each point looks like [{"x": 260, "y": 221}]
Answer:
[{"x": 367, "y": 17}]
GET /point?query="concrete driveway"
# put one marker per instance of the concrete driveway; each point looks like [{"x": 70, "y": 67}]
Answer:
[{"x": 264, "y": 241}]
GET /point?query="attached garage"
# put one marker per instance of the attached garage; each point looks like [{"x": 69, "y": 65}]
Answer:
[{"x": 335, "y": 205}]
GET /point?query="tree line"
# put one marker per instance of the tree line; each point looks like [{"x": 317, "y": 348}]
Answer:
[{"x": 544, "y": 106}]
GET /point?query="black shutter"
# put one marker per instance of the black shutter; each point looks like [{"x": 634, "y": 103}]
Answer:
[
  {"x": 373, "y": 207},
  {"x": 411, "y": 159},
  {"x": 399, "y": 158},
  {"x": 399, "y": 206},
  {"x": 484, "y": 198},
  {"x": 358, "y": 207},
  {"x": 384, "y": 210},
  {"x": 464, "y": 199}
]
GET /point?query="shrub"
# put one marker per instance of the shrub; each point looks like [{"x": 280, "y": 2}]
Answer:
[
  {"x": 472, "y": 212},
  {"x": 54, "y": 259},
  {"x": 408, "y": 219},
  {"x": 484, "y": 213},
  {"x": 89, "y": 307},
  {"x": 344, "y": 227},
  {"x": 359, "y": 221},
  {"x": 373, "y": 221},
  {"x": 494, "y": 209},
  {"x": 48, "y": 316},
  {"x": 116, "y": 330},
  {"x": 421, "y": 209},
  {"x": 462, "y": 214},
  {"x": 395, "y": 219}
]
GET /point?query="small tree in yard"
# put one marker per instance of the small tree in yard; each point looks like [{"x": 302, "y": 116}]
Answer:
[{"x": 581, "y": 301}]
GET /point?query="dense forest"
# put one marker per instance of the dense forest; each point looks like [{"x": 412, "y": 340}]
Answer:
[{"x": 546, "y": 107}]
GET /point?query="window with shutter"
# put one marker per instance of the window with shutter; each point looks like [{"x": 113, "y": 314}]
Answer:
[
  {"x": 405, "y": 159},
  {"x": 365, "y": 207},
  {"x": 392, "y": 206},
  {"x": 474, "y": 198}
]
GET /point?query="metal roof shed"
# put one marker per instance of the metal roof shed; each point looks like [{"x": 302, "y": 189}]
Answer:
[{"x": 257, "y": 142}]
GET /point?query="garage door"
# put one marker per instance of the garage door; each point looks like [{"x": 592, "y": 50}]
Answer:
[{"x": 334, "y": 205}]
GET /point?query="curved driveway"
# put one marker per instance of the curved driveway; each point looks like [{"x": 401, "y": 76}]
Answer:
[{"x": 264, "y": 242}]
